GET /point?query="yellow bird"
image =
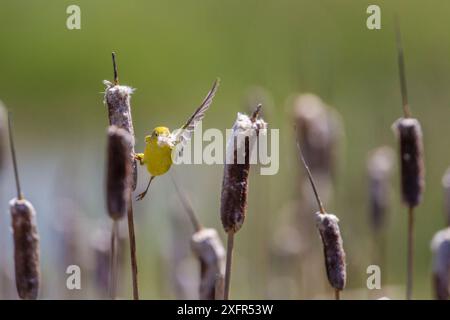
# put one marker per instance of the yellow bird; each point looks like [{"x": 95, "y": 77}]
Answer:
[{"x": 157, "y": 155}]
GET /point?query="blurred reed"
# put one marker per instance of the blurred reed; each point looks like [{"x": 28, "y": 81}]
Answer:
[
  {"x": 182, "y": 267},
  {"x": 26, "y": 237},
  {"x": 440, "y": 247},
  {"x": 380, "y": 163},
  {"x": 67, "y": 226},
  {"x": 100, "y": 247},
  {"x": 208, "y": 248},
  {"x": 409, "y": 133},
  {"x": 446, "y": 186},
  {"x": 328, "y": 227},
  {"x": 319, "y": 130},
  {"x": 3, "y": 136}
]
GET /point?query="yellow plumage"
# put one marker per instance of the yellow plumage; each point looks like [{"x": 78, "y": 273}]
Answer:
[{"x": 157, "y": 155}]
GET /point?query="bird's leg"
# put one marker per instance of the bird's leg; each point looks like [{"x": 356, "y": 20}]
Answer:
[
  {"x": 139, "y": 157},
  {"x": 142, "y": 195}
]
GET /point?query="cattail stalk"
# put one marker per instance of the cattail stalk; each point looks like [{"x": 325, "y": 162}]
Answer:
[
  {"x": 235, "y": 181},
  {"x": 117, "y": 99},
  {"x": 208, "y": 248},
  {"x": 409, "y": 133},
  {"x": 26, "y": 237},
  {"x": 440, "y": 246},
  {"x": 328, "y": 227},
  {"x": 229, "y": 263}
]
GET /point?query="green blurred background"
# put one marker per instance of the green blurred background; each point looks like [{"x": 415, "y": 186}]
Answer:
[{"x": 171, "y": 51}]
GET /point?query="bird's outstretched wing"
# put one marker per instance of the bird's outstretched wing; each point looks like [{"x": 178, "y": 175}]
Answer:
[{"x": 184, "y": 134}]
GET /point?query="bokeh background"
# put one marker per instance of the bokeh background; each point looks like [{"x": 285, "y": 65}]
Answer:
[{"x": 171, "y": 51}]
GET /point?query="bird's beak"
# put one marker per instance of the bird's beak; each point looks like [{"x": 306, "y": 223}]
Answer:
[{"x": 161, "y": 140}]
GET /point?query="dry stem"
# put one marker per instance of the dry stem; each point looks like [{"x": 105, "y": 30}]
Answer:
[
  {"x": 401, "y": 70},
  {"x": 132, "y": 236},
  {"x": 337, "y": 294},
  {"x": 113, "y": 260},
  {"x": 13, "y": 154},
  {"x": 187, "y": 206},
  {"x": 410, "y": 258},
  {"x": 230, "y": 245},
  {"x": 311, "y": 180}
]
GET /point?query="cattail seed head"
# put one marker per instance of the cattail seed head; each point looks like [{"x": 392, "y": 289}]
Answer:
[
  {"x": 446, "y": 185},
  {"x": 318, "y": 131},
  {"x": 119, "y": 172},
  {"x": 379, "y": 168},
  {"x": 209, "y": 249},
  {"x": 440, "y": 246},
  {"x": 333, "y": 249},
  {"x": 236, "y": 170},
  {"x": 26, "y": 248},
  {"x": 117, "y": 99},
  {"x": 411, "y": 160}
]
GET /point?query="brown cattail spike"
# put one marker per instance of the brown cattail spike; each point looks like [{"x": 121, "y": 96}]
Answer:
[
  {"x": 333, "y": 249},
  {"x": 235, "y": 179},
  {"x": 411, "y": 160},
  {"x": 26, "y": 238},
  {"x": 233, "y": 206},
  {"x": 117, "y": 98},
  {"x": 410, "y": 136},
  {"x": 26, "y": 248},
  {"x": 440, "y": 246},
  {"x": 119, "y": 172}
]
